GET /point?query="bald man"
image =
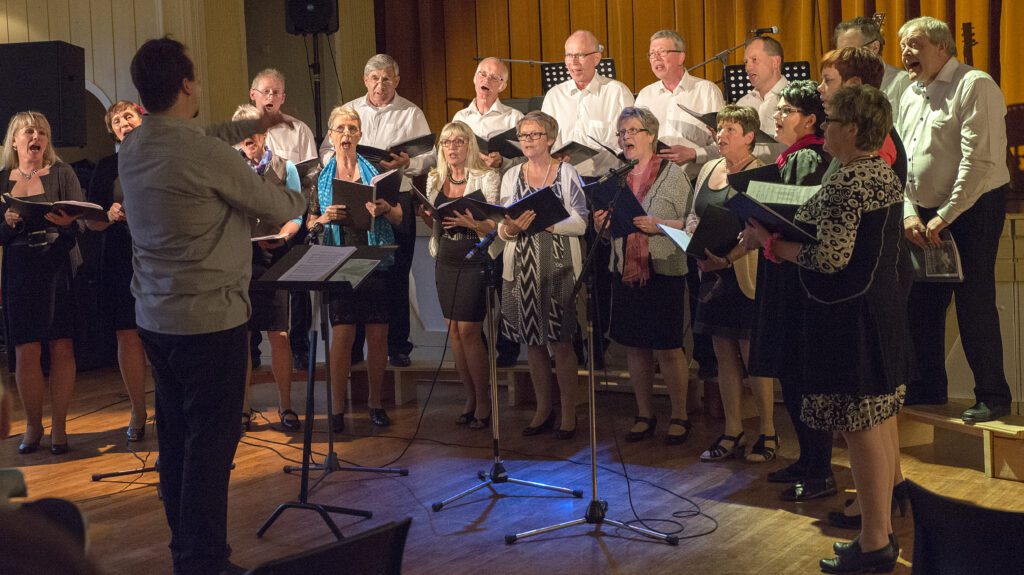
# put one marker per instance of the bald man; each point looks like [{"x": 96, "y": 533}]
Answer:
[{"x": 486, "y": 115}]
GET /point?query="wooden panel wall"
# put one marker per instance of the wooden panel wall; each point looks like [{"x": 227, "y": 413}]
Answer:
[{"x": 437, "y": 42}]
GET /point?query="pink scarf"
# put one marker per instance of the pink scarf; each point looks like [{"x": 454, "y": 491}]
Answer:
[
  {"x": 636, "y": 268},
  {"x": 803, "y": 142}
]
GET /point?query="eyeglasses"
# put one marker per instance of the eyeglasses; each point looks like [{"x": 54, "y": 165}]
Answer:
[
  {"x": 579, "y": 55},
  {"x": 345, "y": 129},
  {"x": 828, "y": 121},
  {"x": 453, "y": 143},
  {"x": 786, "y": 110},
  {"x": 530, "y": 135},
  {"x": 385, "y": 81},
  {"x": 630, "y": 132},
  {"x": 272, "y": 94},
  {"x": 491, "y": 77},
  {"x": 659, "y": 54}
]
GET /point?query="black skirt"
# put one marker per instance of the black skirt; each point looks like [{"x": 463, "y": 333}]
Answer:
[
  {"x": 650, "y": 316},
  {"x": 38, "y": 299},
  {"x": 369, "y": 303},
  {"x": 116, "y": 299},
  {"x": 722, "y": 309},
  {"x": 460, "y": 282}
]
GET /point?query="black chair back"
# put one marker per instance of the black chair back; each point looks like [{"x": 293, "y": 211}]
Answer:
[
  {"x": 737, "y": 85},
  {"x": 374, "y": 552},
  {"x": 953, "y": 537},
  {"x": 553, "y": 74}
]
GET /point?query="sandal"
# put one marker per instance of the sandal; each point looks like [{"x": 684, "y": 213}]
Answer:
[
  {"x": 676, "y": 439},
  {"x": 289, "y": 419},
  {"x": 638, "y": 433},
  {"x": 761, "y": 452},
  {"x": 717, "y": 451}
]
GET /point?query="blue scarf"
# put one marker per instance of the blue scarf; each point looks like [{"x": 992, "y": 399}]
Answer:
[{"x": 380, "y": 234}]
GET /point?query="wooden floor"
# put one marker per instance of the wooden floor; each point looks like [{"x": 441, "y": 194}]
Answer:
[{"x": 746, "y": 528}]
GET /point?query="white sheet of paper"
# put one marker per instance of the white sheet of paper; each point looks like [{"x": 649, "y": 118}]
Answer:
[
  {"x": 770, "y": 193},
  {"x": 318, "y": 263},
  {"x": 678, "y": 237}
]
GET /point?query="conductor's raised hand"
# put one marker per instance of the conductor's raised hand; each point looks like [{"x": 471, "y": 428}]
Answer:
[
  {"x": 60, "y": 218},
  {"x": 396, "y": 161},
  {"x": 515, "y": 226}
]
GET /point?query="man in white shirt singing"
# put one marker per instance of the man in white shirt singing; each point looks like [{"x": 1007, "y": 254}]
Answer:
[
  {"x": 763, "y": 57},
  {"x": 953, "y": 123},
  {"x": 486, "y": 115},
  {"x": 292, "y": 140},
  {"x": 587, "y": 105}
]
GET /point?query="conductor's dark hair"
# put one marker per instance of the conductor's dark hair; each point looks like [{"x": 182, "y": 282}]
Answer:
[{"x": 158, "y": 68}]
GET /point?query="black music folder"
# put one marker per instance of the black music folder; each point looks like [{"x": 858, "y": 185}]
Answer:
[
  {"x": 718, "y": 232},
  {"x": 32, "y": 209},
  {"x": 578, "y": 153},
  {"x": 741, "y": 180},
  {"x": 626, "y": 205},
  {"x": 745, "y": 207},
  {"x": 414, "y": 147},
  {"x": 545, "y": 203},
  {"x": 504, "y": 143},
  {"x": 354, "y": 197}
]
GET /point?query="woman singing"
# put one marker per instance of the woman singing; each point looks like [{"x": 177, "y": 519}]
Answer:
[
  {"x": 460, "y": 283},
  {"x": 37, "y": 269},
  {"x": 726, "y": 308},
  {"x": 368, "y": 304},
  {"x": 540, "y": 268},
  {"x": 647, "y": 299}
]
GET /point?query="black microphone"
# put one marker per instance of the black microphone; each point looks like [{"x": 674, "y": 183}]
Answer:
[
  {"x": 483, "y": 244},
  {"x": 762, "y": 31},
  {"x": 314, "y": 234},
  {"x": 618, "y": 172}
]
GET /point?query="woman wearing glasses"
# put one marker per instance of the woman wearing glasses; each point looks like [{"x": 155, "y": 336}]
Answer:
[
  {"x": 460, "y": 283},
  {"x": 368, "y": 304},
  {"x": 539, "y": 270},
  {"x": 726, "y": 301},
  {"x": 647, "y": 299}
]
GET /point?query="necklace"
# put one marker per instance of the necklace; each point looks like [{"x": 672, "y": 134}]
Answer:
[
  {"x": 29, "y": 175},
  {"x": 345, "y": 173},
  {"x": 547, "y": 172},
  {"x": 738, "y": 166},
  {"x": 457, "y": 182}
]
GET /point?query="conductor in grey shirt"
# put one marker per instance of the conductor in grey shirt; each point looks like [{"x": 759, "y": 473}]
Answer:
[{"x": 188, "y": 200}]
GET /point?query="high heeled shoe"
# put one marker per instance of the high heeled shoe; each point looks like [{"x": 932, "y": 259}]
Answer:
[
  {"x": 566, "y": 434},
  {"x": 379, "y": 417},
  {"x": 855, "y": 561},
  {"x": 842, "y": 547},
  {"x": 289, "y": 419},
  {"x": 547, "y": 425},
  {"x": 135, "y": 434},
  {"x": 719, "y": 451},
  {"x": 29, "y": 447},
  {"x": 639, "y": 434},
  {"x": 59, "y": 448},
  {"x": 900, "y": 502}
]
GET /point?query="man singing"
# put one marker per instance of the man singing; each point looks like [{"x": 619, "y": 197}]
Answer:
[{"x": 189, "y": 200}]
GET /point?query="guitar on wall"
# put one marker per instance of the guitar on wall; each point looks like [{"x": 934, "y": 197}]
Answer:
[{"x": 969, "y": 43}]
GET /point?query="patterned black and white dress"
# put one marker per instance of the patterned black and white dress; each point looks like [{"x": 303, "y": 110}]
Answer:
[
  {"x": 536, "y": 305},
  {"x": 854, "y": 348}
]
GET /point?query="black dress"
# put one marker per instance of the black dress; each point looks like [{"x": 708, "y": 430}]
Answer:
[
  {"x": 37, "y": 266},
  {"x": 460, "y": 282},
  {"x": 116, "y": 299}
]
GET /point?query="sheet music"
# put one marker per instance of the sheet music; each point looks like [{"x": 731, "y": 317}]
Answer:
[
  {"x": 768, "y": 193},
  {"x": 318, "y": 263},
  {"x": 678, "y": 237}
]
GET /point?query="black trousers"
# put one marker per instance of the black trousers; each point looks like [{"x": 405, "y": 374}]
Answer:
[
  {"x": 703, "y": 349},
  {"x": 200, "y": 381},
  {"x": 405, "y": 237},
  {"x": 976, "y": 233},
  {"x": 298, "y": 329},
  {"x": 815, "y": 445}
]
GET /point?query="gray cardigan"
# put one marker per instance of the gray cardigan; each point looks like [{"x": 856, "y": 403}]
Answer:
[{"x": 668, "y": 199}]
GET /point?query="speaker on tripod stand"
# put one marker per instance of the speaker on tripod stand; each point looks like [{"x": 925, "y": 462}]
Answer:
[{"x": 303, "y": 17}]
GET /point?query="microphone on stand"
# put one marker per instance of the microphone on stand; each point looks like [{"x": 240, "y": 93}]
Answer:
[
  {"x": 618, "y": 172},
  {"x": 483, "y": 244},
  {"x": 763, "y": 31},
  {"x": 313, "y": 238}
]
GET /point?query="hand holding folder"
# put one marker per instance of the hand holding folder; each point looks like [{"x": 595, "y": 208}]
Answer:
[
  {"x": 602, "y": 196},
  {"x": 354, "y": 196}
]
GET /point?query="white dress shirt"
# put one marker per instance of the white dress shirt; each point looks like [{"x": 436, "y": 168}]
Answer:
[
  {"x": 586, "y": 113},
  {"x": 294, "y": 143},
  {"x": 677, "y": 127},
  {"x": 398, "y": 121},
  {"x": 894, "y": 83},
  {"x": 954, "y": 131},
  {"x": 495, "y": 120},
  {"x": 765, "y": 107}
]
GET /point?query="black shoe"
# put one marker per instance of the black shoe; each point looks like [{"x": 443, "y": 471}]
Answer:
[
  {"x": 465, "y": 418},
  {"x": 547, "y": 425},
  {"x": 484, "y": 423},
  {"x": 673, "y": 439},
  {"x": 338, "y": 422},
  {"x": 400, "y": 360},
  {"x": 718, "y": 451},
  {"x": 59, "y": 448},
  {"x": 134, "y": 434},
  {"x": 289, "y": 419},
  {"x": 810, "y": 489},
  {"x": 246, "y": 421},
  {"x": 900, "y": 502},
  {"x": 29, "y": 447},
  {"x": 506, "y": 360},
  {"x": 984, "y": 411},
  {"x": 854, "y": 561},
  {"x": 789, "y": 474},
  {"x": 256, "y": 362},
  {"x": 566, "y": 434},
  {"x": 648, "y": 431},
  {"x": 379, "y": 417},
  {"x": 843, "y": 547}
]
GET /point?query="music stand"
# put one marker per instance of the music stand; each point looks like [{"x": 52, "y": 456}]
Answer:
[
  {"x": 738, "y": 85},
  {"x": 359, "y": 265},
  {"x": 597, "y": 509},
  {"x": 497, "y": 474},
  {"x": 554, "y": 73}
]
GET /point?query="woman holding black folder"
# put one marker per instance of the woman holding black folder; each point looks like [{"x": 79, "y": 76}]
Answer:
[
  {"x": 855, "y": 360},
  {"x": 726, "y": 302},
  {"x": 460, "y": 173},
  {"x": 38, "y": 262},
  {"x": 540, "y": 267},
  {"x": 368, "y": 304},
  {"x": 647, "y": 298}
]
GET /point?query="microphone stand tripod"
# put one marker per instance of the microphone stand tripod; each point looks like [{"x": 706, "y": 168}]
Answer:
[
  {"x": 595, "y": 514},
  {"x": 497, "y": 474}
]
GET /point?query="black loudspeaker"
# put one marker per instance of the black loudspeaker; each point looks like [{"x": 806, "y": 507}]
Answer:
[
  {"x": 311, "y": 16},
  {"x": 47, "y": 77}
]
